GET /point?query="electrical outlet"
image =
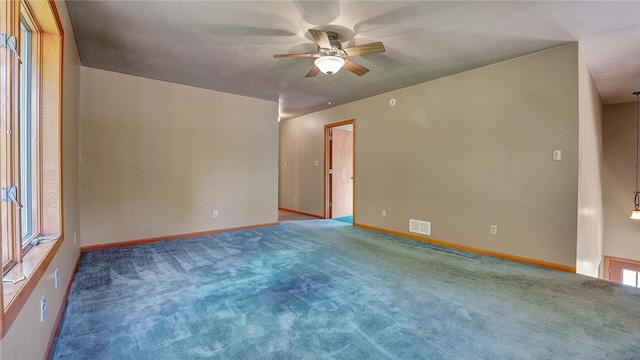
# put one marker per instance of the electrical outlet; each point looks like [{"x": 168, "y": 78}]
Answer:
[
  {"x": 215, "y": 213},
  {"x": 493, "y": 230},
  {"x": 43, "y": 308},
  {"x": 56, "y": 277},
  {"x": 316, "y": 163},
  {"x": 384, "y": 213},
  {"x": 75, "y": 240},
  {"x": 294, "y": 199}
]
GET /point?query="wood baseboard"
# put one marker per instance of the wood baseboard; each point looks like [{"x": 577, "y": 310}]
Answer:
[
  {"x": 170, "y": 237},
  {"x": 302, "y": 213},
  {"x": 63, "y": 307},
  {"x": 495, "y": 254}
]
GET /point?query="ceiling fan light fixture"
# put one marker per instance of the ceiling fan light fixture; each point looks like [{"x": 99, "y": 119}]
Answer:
[{"x": 329, "y": 64}]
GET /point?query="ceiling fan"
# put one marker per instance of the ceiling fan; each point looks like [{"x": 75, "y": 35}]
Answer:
[{"x": 331, "y": 57}]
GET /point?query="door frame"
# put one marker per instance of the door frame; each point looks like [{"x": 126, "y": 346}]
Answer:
[{"x": 327, "y": 166}]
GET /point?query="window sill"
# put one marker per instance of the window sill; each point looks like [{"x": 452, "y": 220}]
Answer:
[{"x": 33, "y": 267}]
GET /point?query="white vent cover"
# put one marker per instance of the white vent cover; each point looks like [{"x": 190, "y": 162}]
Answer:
[{"x": 420, "y": 227}]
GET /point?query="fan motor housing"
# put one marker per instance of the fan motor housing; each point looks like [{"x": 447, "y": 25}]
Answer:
[{"x": 333, "y": 39}]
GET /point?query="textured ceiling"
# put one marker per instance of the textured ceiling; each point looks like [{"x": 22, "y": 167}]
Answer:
[{"x": 228, "y": 45}]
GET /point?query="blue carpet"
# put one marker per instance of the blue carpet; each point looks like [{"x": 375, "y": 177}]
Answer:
[
  {"x": 325, "y": 290},
  {"x": 347, "y": 219}
]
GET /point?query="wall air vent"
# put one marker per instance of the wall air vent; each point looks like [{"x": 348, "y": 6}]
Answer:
[{"x": 420, "y": 227}]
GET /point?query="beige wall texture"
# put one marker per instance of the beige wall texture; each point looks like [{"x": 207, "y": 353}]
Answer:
[
  {"x": 589, "y": 244},
  {"x": 28, "y": 337},
  {"x": 301, "y": 183},
  {"x": 158, "y": 158},
  {"x": 621, "y": 234},
  {"x": 463, "y": 152}
]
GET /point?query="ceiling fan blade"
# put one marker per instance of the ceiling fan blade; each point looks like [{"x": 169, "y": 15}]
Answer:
[
  {"x": 372, "y": 48},
  {"x": 313, "y": 72},
  {"x": 278, "y": 56},
  {"x": 355, "y": 68},
  {"x": 321, "y": 38}
]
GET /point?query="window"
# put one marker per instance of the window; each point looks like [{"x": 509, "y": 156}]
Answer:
[
  {"x": 22, "y": 173},
  {"x": 30, "y": 148},
  {"x": 630, "y": 277}
]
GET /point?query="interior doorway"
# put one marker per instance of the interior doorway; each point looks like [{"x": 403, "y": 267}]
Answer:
[{"x": 339, "y": 170}]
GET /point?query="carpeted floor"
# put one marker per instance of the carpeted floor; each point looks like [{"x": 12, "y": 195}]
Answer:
[
  {"x": 322, "y": 289},
  {"x": 347, "y": 219}
]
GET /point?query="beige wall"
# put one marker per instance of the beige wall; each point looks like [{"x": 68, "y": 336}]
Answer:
[
  {"x": 28, "y": 337},
  {"x": 158, "y": 159},
  {"x": 621, "y": 234},
  {"x": 590, "y": 211},
  {"x": 462, "y": 152},
  {"x": 301, "y": 183}
]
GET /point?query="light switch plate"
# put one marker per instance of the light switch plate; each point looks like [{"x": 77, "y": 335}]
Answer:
[
  {"x": 43, "y": 307},
  {"x": 557, "y": 155}
]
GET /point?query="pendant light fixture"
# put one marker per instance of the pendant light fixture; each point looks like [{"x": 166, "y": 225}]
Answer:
[{"x": 635, "y": 214}]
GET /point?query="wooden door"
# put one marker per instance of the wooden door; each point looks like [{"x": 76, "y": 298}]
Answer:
[
  {"x": 622, "y": 271},
  {"x": 342, "y": 173}
]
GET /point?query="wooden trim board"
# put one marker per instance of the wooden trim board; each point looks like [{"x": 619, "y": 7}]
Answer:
[
  {"x": 170, "y": 237},
  {"x": 495, "y": 254},
  {"x": 302, "y": 213}
]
